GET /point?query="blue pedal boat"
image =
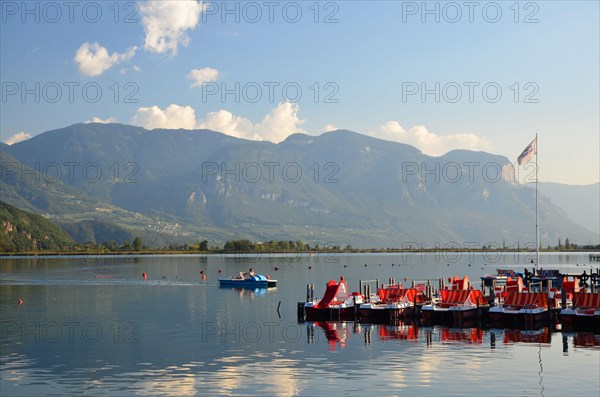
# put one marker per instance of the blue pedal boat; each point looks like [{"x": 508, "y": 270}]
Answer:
[{"x": 257, "y": 281}]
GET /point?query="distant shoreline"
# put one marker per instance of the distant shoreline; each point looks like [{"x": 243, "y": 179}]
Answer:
[{"x": 312, "y": 252}]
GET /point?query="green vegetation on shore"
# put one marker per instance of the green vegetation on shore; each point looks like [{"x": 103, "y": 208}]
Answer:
[{"x": 271, "y": 247}]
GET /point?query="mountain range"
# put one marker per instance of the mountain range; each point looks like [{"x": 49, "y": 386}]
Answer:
[{"x": 115, "y": 181}]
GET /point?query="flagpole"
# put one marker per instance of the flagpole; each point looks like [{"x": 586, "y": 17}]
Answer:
[{"x": 537, "y": 225}]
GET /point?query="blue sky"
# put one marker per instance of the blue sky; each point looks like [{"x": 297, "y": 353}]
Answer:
[{"x": 364, "y": 70}]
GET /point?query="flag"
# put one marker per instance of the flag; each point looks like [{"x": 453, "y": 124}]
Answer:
[{"x": 528, "y": 153}]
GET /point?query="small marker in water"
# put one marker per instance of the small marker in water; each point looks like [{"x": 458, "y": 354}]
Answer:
[
  {"x": 20, "y": 301},
  {"x": 219, "y": 271},
  {"x": 144, "y": 276},
  {"x": 204, "y": 277}
]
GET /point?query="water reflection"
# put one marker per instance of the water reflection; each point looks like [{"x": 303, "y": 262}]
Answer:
[
  {"x": 339, "y": 334},
  {"x": 193, "y": 338}
]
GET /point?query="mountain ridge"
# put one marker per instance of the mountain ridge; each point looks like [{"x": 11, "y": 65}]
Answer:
[{"x": 338, "y": 187}]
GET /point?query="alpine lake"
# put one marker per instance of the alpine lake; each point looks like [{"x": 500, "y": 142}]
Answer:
[{"x": 91, "y": 325}]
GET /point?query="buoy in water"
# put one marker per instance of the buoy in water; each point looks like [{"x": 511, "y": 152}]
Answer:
[
  {"x": 201, "y": 271},
  {"x": 275, "y": 268},
  {"x": 219, "y": 271},
  {"x": 20, "y": 301},
  {"x": 310, "y": 267},
  {"x": 204, "y": 277},
  {"x": 144, "y": 276}
]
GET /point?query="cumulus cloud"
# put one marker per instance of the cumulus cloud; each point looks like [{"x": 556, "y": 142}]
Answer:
[
  {"x": 173, "y": 117},
  {"x": 166, "y": 24},
  {"x": 277, "y": 125},
  {"x": 92, "y": 59},
  {"x": 281, "y": 122},
  {"x": 18, "y": 137},
  {"x": 201, "y": 76},
  {"x": 101, "y": 121},
  {"x": 428, "y": 142},
  {"x": 330, "y": 127},
  {"x": 224, "y": 121}
]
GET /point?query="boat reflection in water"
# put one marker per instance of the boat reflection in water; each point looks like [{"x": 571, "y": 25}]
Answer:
[
  {"x": 338, "y": 334},
  {"x": 250, "y": 293}
]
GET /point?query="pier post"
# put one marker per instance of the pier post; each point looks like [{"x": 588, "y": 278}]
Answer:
[
  {"x": 492, "y": 298},
  {"x": 301, "y": 312},
  {"x": 429, "y": 292}
]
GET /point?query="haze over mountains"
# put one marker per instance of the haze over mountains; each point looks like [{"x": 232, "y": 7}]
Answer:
[{"x": 114, "y": 181}]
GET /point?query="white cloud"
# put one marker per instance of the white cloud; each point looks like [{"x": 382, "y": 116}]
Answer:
[
  {"x": 173, "y": 117},
  {"x": 330, "y": 127},
  {"x": 428, "y": 142},
  {"x": 166, "y": 23},
  {"x": 281, "y": 122},
  {"x": 204, "y": 75},
  {"x": 136, "y": 68},
  {"x": 92, "y": 59},
  {"x": 101, "y": 121},
  {"x": 18, "y": 137},
  {"x": 225, "y": 122},
  {"x": 277, "y": 125}
]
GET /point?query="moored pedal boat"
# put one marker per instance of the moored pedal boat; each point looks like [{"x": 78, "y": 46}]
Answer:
[
  {"x": 391, "y": 304},
  {"x": 584, "y": 313},
  {"x": 456, "y": 305},
  {"x": 520, "y": 308},
  {"x": 337, "y": 303}
]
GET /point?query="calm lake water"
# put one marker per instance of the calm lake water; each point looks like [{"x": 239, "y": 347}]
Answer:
[{"x": 92, "y": 325}]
